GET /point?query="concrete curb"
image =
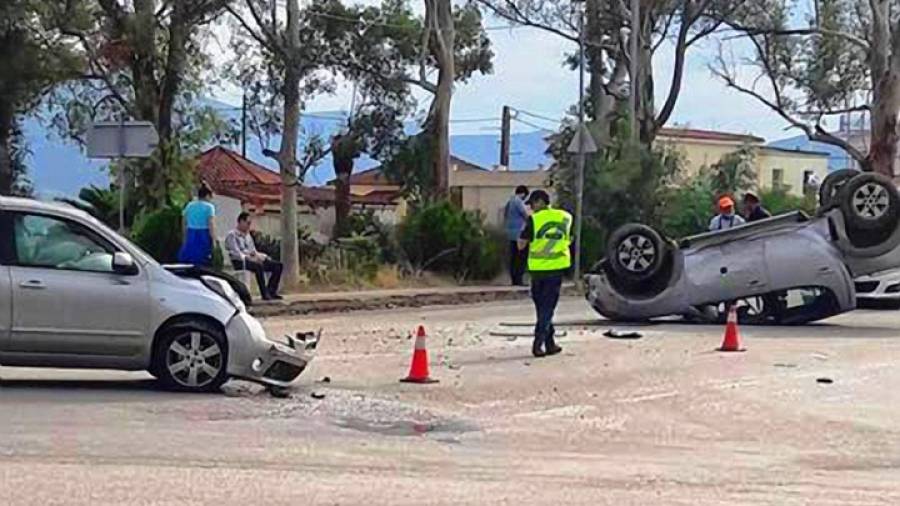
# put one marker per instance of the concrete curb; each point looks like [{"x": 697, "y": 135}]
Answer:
[{"x": 373, "y": 301}]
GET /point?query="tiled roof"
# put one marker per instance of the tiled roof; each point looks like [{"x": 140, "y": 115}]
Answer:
[
  {"x": 221, "y": 167},
  {"x": 231, "y": 175},
  {"x": 708, "y": 135}
]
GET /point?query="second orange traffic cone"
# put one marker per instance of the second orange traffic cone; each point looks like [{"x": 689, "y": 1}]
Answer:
[
  {"x": 418, "y": 370},
  {"x": 732, "y": 341}
]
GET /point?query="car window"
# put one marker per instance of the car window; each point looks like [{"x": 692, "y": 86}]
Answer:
[{"x": 43, "y": 241}]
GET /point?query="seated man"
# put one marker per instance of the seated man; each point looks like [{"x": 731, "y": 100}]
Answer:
[{"x": 244, "y": 256}]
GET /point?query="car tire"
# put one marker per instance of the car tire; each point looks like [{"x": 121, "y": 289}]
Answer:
[
  {"x": 831, "y": 187},
  {"x": 191, "y": 357},
  {"x": 870, "y": 203},
  {"x": 636, "y": 253}
]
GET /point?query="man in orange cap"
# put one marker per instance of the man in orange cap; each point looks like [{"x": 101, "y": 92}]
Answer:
[{"x": 726, "y": 218}]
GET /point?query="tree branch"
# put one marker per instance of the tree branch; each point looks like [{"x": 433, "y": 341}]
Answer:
[
  {"x": 264, "y": 37},
  {"x": 853, "y": 39},
  {"x": 813, "y": 132},
  {"x": 516, "y": 16}
]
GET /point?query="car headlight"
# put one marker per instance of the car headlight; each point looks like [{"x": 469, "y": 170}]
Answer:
[{"x": 223, "y": 289}]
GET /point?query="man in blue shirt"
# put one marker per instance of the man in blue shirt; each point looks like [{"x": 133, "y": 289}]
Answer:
[{"x": 515, "y": 216}]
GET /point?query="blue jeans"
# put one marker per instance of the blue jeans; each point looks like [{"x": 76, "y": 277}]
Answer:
[{"x": 545, "y": 294}]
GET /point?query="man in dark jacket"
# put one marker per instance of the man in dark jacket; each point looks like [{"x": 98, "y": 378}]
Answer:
[{"x": 753, "y": 209}]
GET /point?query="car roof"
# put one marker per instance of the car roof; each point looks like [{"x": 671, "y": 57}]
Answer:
[{"x": 24, "y": 204}]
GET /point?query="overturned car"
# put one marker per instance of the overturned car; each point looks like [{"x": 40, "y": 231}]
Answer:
[{"x": 788, "y": 269}]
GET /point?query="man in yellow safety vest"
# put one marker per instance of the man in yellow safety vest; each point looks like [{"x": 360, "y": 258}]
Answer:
[{"x": 547, "y": 236}]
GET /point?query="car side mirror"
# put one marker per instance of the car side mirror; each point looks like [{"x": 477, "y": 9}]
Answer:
[{"x": 123, "y": 263}]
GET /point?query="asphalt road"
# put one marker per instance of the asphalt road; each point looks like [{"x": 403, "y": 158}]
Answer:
[{"x": 659, "y": 420}]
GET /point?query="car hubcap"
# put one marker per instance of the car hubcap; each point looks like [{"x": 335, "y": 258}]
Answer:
[
  {"x": 871, "y": 201},
  {"x": 636, "y": 253},
  {"x": 194, "y": 360}
]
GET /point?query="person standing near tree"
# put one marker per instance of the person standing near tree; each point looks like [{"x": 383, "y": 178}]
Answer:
[
  {"x": 199, "y": 229},
  {"x": 547, "y": 238},
  {"x": 515, "y": 216}
]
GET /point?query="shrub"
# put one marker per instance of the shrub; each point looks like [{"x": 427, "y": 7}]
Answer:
[
  {"x": 267, "y": 244},
  {"x": 778, "y": 201},
  {"x": 443, "y": 238},
  {"x": 159, "y": 233}
]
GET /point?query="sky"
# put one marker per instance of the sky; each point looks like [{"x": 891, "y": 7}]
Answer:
[{"x": 529, "y": 75}]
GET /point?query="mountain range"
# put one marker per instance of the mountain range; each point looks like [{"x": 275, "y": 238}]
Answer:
[{"x": 59, "y": 167}]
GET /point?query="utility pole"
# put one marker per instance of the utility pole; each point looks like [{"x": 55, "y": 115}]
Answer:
[
  {"x": 579, "y": 181},
  {"x": 635, "y": 65},
  {"x": 505, "y": 136},
  {"x": 244, "y": 125}
]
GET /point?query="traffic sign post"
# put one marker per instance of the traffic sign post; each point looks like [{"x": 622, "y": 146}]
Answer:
[
  {"x": 582, "y": 144},
  {"x": 119, "y": 140}
]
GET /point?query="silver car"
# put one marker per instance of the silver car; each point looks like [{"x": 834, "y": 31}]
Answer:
[
  {"x": 75, "y": 294},
  {"x": 788, "y": 269}
]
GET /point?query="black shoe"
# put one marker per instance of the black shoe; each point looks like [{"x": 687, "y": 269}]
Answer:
[
  {"x": 553, "y": 350},
  {"x": 276, "y": 297},
  {"x": 537, "y": 351}
]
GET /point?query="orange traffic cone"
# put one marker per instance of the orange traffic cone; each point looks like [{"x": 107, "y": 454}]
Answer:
[
  {"x": 418, "y": 370},
  {"x": 732, "y": 341}
]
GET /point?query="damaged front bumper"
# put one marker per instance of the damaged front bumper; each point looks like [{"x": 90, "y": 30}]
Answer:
[{"x": 274, "y": 362}]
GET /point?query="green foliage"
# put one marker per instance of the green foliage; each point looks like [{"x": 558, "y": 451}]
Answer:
[
  {"x": 159, "y": 233},
  {"x": 103, "y": 204},
  {"x": 267, "y": 244},
  {"x": 443, "y": 238},
  {"x": 779, "y": 201},
  {"x": 625, "y": 184},
  {"x": 410, "y": 165},
  {"x": 360, "y": 255},
  {"x": 688, "y": 208},
  {"x": 734, "y": 174},
  {"x": 34, "y": 59}
]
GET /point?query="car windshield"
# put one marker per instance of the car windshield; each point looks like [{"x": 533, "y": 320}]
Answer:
[{"x": 140, "y": 255}]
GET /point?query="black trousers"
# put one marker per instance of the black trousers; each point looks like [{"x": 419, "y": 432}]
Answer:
[
  {"x": 545, "y": 294},
  {"x": 260, "y": 269},
  {"x": 518, "y": 259}
]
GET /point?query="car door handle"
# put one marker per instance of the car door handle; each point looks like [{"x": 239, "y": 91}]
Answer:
[{"x": 33, "y": 284}]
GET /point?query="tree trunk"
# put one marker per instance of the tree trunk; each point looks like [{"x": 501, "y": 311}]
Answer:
[
  {"x": 176, "y": 60},
  {"x": 343, "y": 169},
  {"x": 441, "y": 125},
  {"x": 445, "y": 38},
  {"x": 287, "y": 155},
  {"x": 6, "y": 162},
  {"x": 143, "y": 45},
  {"x": 884, "y": 138},
  {"x": 646, "y": 88}
]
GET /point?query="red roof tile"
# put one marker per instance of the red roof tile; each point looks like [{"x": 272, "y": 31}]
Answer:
[
  {"x": 231, "y": 175},
  {"x": 221, "y": 168},
  {"x": 708, "y": 135}
]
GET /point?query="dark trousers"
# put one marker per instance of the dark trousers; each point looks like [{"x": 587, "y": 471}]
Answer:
[
  {"x": 545, "y": 294},
  {"x": 517, "y": 262},
  {"x": 260, "y": 269}
]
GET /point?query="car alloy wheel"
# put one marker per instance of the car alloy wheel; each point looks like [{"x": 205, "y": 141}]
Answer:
[
  {"x": 636, "y": 253},
  {"x": 194, "y": 360},
  {"x": 871, "y": 201}
]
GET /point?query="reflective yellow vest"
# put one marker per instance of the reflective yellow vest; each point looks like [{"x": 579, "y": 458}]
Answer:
[{"x": 549, "y": 248}]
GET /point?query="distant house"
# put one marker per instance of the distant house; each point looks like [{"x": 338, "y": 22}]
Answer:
[
  {"x": 791, "y": 169},
  {"x": 472, "y": 187},
  {"x": 240, "y": 185}
]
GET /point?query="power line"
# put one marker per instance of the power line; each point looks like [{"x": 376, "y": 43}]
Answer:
[
  {"x": 532, "y": 125},
  {"x": 475, "y": 120},
  {"x": 555, "y": 121}
]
